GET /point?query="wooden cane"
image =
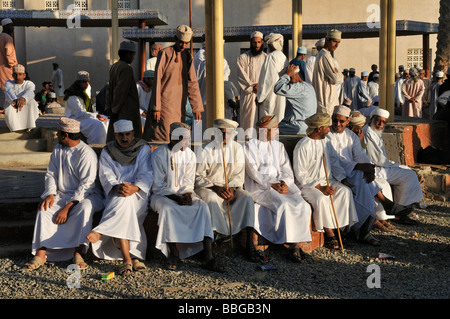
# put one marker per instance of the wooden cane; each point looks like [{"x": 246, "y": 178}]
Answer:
[
  {"x": 332, "y": 204},
  {"x": 228, "y": 203}
]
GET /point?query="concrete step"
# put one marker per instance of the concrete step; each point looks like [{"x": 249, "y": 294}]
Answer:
[
  {"x": 23, "y": 145},
  {"x": 15, "y": 250},
  {"x": 5, "y": 134},
  {"x": 23, "y": 159},
  {"x": 16, "y": 230}
]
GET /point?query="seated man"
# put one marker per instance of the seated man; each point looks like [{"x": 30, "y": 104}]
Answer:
[
  {"x": 222, "y": 187},
  {"x": 301, "y": 101},
  {"x": 78, "y": 106},
  {"x": 70, "y": 199},
  {"x": 404, "y": 181},
  {"x": 282, "y": 215},
  {"x": 184, "y": 220},
  {"x": 323, "y": 181},
  {"x": 21, "y": 109},
  {"x": 126, "y": 176}
]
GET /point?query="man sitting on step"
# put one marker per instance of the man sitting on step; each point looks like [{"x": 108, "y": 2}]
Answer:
[{"x": 70, "y": 199}]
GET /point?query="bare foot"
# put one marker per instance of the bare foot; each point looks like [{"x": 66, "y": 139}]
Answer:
[{"x": 93, "y": 237}]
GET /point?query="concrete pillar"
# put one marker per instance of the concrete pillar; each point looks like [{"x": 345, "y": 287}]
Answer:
[
  {"x": 391, "y": 56},
  {"x": 383, "y": 53},
  {"x": 426, "y": 54},
  {"x": 297, "y": 26},
  {"x": 214, "y": 60},
  {"x": 114, "y": 5}
]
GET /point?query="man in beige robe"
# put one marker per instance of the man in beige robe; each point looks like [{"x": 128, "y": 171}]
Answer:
[
  {"x": 413, "y": 90},
  {"x": 175, "y": 81},
  {"x": 7, "y": 57},
  {"x": 326, "y": 75},
  {"x": 122, "y": 99},
  {"x": 248, "y": 69}
]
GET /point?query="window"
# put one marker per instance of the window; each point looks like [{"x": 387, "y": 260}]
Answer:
[
  {"x": 51, "y": 5},
  {"x": 124, "y": 4},
  {"x": 8, "y": 4},
  {"x": 415, "y": 57},
  {"x": 81, "y": 4}
]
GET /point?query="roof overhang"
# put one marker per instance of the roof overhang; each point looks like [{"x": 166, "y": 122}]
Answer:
[
  {"x": 310, "y": 31},
  {"x": 87, "y": 18}
]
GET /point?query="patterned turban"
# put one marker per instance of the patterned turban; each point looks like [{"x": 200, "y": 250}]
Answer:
[
  {"x": 357, "y": 119},
  {"x": 68, "y": 125}
]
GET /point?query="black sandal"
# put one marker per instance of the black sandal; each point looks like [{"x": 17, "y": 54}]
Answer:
[
  {"x": 332, "y": 243},
  {"x": 295, "y": 254}
]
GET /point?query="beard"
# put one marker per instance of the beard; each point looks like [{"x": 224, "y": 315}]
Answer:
[
  {"x": 256, "y": 52},
  {"x": 374, "y": 128}
]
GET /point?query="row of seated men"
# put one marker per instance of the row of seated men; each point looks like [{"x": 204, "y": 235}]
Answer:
[{"x": 339, "y": 183}]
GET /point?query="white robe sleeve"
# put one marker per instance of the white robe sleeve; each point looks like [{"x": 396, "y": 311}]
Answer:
[
  {"x": 88, "y": 174},
  {"x": 252, "y": 164},
  {"x": 267, "y": 78},
  {"x": 75, "y": 109},
  {"x": 144, "y": 176},
  {"x": 51, "y": 176}
]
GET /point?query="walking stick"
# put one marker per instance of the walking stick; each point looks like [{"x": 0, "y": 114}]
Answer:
[
  {"x": 332, "y": 204},
  {"x": 228, "y": 203}
]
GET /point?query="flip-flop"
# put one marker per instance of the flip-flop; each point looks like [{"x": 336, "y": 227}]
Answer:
[
  {"x": 138, "y": 265},
  {"x": 35, "y": 263},
  {"x": 125, "y": 268}
]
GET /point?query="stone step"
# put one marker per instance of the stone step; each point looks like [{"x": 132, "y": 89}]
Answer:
[
  {"x": 16, "y": 230},
  {"x": 23, "y": 145},
  {"x": 15, "y": 250},
  {"x": 23, "y": 159}
]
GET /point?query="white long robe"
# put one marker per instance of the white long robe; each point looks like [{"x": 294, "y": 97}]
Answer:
[
  {"x": 271, "y": 70},
  {"x": 210, "y": 172},
  {"x": 71, "y": 176},
  {"x": 187, "y": 226},
  {"x": 350, "y": 152},
  {"x": 58, "y": 82},
  {"x": 26, "y": 118},
  {"x": 399, "y": 97},
  {"x": 92, "y": 128},
  {"x": 123, "y": 217},
  {"x": 434, "y": 94},
  {"x": 404, "y": 181},
  {"x": 309, "y": 172},
  {"x": 350, "y": 90},
  {"x": 325, "y": 81},
  {"x": 248, "y": 72},
  {"x": 310, "y": 63},
  {"x": 280, "y": 218},
  {"x": 362, "y": 96},
  {"x": 144, "y": 100}
]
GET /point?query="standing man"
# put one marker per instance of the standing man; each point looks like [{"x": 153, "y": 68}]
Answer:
[
  {"x": 70, "y": 199},
  {"x": 126, "y": 176},
  {"x": 350, "y": 88},
  {"x": 311, "y": 61},
  {"x": 144, "y": 88},
  {"x": 122, "y": 100},
  {"x": 374, "y": 86},
  {"x": 175, "y": 82},
  {"x": 58, "y": 83},
  {"x": 249, "y": 66},
  {"x": 8, "y": 57},
  {"x": 275, "y": 62},
  {"x": 413, "y": 90},
  {"x": 434, "y": 93},
  {"x": 299, "y": 61},
  {"x": 21, "y": 111},
  {"x": 151, "y": 62},
  {"x": 326, "y": 74},
  {"x": 362, "y": 97}
]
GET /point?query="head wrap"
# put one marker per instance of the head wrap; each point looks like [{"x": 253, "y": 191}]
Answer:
[
  {"x": 320, "y": 43},
  {"x": 376, "y": 75},
  {"x": 149, "y": 74},
  {"x": 127, "y": 46},
  {"x": 123, "y": 126},
  {"x": 68, "y": 125},
  {"x": 301, "y": 50},
  {"x": 225, "y": 123},
  {"x": 6, "y": 21},
  {"x": 83, "y": 76},
  {"x": 276, "y": 40},
  {"x": 364, "y": 73},
  {"x": 256, "y": 34},
  {"x": 413, "y": 72},
  {"x": 357, "y": 119},
  {"x": 18, "y": 68},
  {"x": 184, "y": 33},
  {"x": 439, "y": 74},
  {"x": 342, "y": 110},
  {"x": 268, "y": 121},
  {"x": 317, "y": 120},
  {"x": 380, "y": 112},
  {"x": 334, "y": 34}
]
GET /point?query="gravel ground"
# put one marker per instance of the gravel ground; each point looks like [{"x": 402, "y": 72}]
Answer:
[{"x": 419, "y": 270}]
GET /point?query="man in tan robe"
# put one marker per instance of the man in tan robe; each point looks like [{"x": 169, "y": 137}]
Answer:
[
  {"x": 122, "y": 99},
  {"x": 413, "y": 90},
  {"x": 326, "y": 75},
  {"x": 248, "y": 69},
  {"x": 7, "y": 57},
  {"x": 175, "y": 81}
]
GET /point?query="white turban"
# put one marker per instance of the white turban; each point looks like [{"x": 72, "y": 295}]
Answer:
[
  {"x": 225, "y": 123},
  {"x": 123, "y": 126},
  {"x": 6, "y": 21},
  {"x": 184, "y": 33},
  {"x": 320, "y": 43},
  {"x": 276, "y": 40},
  {"x": 380, "y": 112},
  {"x": 342, "y": 110},
  {"x": 364, "y": 73},
  {"x": 439, "y": 74},
  {"x": 334, "y": 34},
  {"x": 301, "y": 50},
  {"x": 256, "y": 34}
]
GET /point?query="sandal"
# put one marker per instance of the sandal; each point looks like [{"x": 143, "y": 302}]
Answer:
[
  {"x": 78, "y": 260},
  {"x": 332, "y": 243},
  {"x": 214, "y": 265},
  {"x": 295, "y": 254},
  {"x": 125, "y": 268},
  {"x": 35, "y": 263},
  {"x": 138, "y": 265},
  {"x": 173, "y": 262}
]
